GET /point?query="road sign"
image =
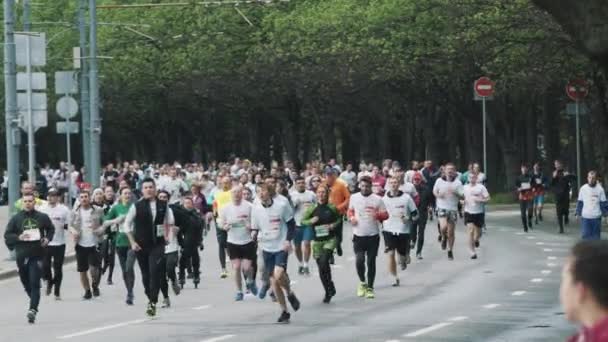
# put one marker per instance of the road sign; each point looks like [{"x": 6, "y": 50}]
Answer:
[
  {"x": 484, "y": 87},
  {"x": 64, "y": 128},
  {"x": 577, "y": 89},
  {"x": 66, "y": 83},
  {"x": 39, "y": 110},
  {"x": 571, "y": 109},
  {"x": 67, "y": 107},
  {"x": 38, "y": 81},
  {"x": 37, "y": 48}
]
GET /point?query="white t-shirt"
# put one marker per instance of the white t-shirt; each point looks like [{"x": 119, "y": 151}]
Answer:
[
  {"x": 173, "y": 245},
  {"x": 399, "y": 213},
  {"x": 272, "y": 224},
  {"x": 471, "y": 196},
  {"x": 452, "y": 191},
  {"x": 409, "y": 189},
  {"x": 591, "y": 198},
  {"x": 87, "y": 237},
  {"x": 409, "y": 175},
  {"x": 302, "y": 201},
  {"x": 59, "y": 215},
  {"x": 364, "y": 209},
  {"x": 349, "y": 177},
  {"x": 239, "y": 219},
  {"x": 174, "y": 187}
]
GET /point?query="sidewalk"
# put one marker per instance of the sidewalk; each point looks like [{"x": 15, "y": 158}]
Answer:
[{"x": 8, "y": 268}]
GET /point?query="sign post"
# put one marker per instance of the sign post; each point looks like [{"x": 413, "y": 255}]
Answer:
[
  {"x": 484, "y": 87},
  {"x": 67, "y": 108},
  {"x": 577, "y": 90}
]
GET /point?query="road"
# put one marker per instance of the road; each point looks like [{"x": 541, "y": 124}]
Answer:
[{"x": 509, "y": 294}]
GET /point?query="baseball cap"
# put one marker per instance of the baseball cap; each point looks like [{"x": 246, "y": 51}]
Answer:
[
  {"x": 330, "y": 171},
  {"x": 53, "y": 192}
]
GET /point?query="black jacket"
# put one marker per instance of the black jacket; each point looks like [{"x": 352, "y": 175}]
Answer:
[
  {"x": 190, "y": 226},
  {"x": 145, "y": 228},
  {"x": 26, "y": 220},
  {"x": 562, "y": 184}
]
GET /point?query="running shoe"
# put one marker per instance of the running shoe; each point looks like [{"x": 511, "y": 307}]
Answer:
[
  {"x": 474, "y": 256},
  {"x": 176, "y": 288},
  {"x": 166, "y": 303},
  {"x": 31, "y": 316},
  {"x": 369, "y": 293},
  {"x": 224, "y": 274},
  {"x": 361, "y": 289},
  {"x": 284, "y": 318},
  {"x": 293, "y": 300},
  {"x": 239, "y": 297},
  {"x": 253, "y": 288},
  {"x": 396, "y": 283},
  {"x": 450, "y": 255},
  {"x": 263, "y": 290},
  {"x": 87, "y": 295},
  {"x": 306, "y": 270},
  {"x": 96, "y": 292},
  {"x": 151, "y": 311},
  {"x": 301, "y": 270}
]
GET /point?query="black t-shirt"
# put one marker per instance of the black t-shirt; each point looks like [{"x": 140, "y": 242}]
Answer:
[
  {"x": 111, "y": 178},
  {"x": 327, "y": 214}
]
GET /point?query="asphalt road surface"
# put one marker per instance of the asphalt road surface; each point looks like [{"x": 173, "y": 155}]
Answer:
[{"x": 509, "y": 294}]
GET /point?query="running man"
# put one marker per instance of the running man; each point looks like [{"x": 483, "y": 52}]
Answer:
[
  {"x": 475, "y": 195},
  {"x": 86, "y": 228},
  {"x": 339, "y": 196},
  {"x": 324, "y": 218},
  {"x": 448, "y": 190},
  {"x": 590, "y": 207},
  {"x": 236, "y": 218},
  {"x": 147, "y": 227},
  {"x": 54, "y": 255},
  {"x": 171, "y": 257},
  {"x": 302, "y": 199},
  {"x": 365, "y": 212},
  {"x": 526, "y": 195},
  {"x": 396, "y": 229},
  {"x": 272, "y": 220},
  {"x": 28, "y": 232}
]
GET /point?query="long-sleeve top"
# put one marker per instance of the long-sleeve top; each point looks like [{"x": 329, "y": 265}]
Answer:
[{"x": 38, "y": 226}]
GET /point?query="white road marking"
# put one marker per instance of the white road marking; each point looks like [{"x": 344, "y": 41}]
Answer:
[
  {"x": 519, "y": 233},
  {"x": 219, "y": 338},
  {"x": 107, "y": 327},
  {"x": 491, "y": 306},
  {"x": 393, "y": 341},
  {"x": 337, "y": 266},
  {"x": 293, "y": 282},
  {"x": 428, "y": 329},
  {"x": 518, "y": 293},
  {"x": 540, "y": 243},
  {"x": 551, "y": 258},
  {"x": 550, "y": 264},
  {"x": 351, "y": 258},
  {"x": 531, "y": 238},
  {"x": 545, "y": 271},
  {"x": 547, "y": 250},
  {"x": 458, "y": 318},
  {"x": 537, "y": 280},
  {"x": 202, "y": 307}
]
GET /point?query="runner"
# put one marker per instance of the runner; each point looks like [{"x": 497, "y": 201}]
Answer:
[
  {"x": 188, "y": 219},
  {"x": 590, "y": 207},
  {"x": 350, "y": 177},
  {"x": 539, "y": 184},
  {"x": 365, "y": 212},
  {"x": 167, "y": 268},
  {"x": 110, "y": 177},
  {"x": 114, "y": 219},
  {"x": 174, "y": 185},
  {"x": 55, "y": 251},
  {"x": 85, "y": 226},
  {"x": 302, "y": 199},
  {"x": 475, "y": 195},
  {"x": 28, "y": 232},
  {"x": 221, "y": 199},
  {"x": 339, "y": 196},
  {"x": 526, "y": 195},
  {"x": 273, "y": 220},
  {"x": 418, "y": 226},
  {"x": 562, "y": 183},
  {"x": 108, "y": 245},
  {"x": 146, "y": 226},
  {"x": 396, "y": 229},
  {"x": 448, "y": 190},
  {"x": 324, "y": 218},
  {"x": 236, "y": 218}
]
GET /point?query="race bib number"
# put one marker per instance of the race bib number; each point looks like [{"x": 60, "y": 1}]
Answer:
[
  {"x": 274, "y": 230},
  {"x": 525, "y": 186},
  {"x": 33, "y": 235},
  {"x": 160, "y": 230},
  {"x": 238, "y": 225},
  {"x": 322, "y": 230},
  {"x": 539, "y": 181}
]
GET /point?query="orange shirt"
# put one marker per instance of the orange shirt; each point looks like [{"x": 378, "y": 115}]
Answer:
[{"x": 339, "y": 195}]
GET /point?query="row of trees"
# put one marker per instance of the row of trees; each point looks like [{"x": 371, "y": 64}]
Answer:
[{"x": 356, "y": 79}]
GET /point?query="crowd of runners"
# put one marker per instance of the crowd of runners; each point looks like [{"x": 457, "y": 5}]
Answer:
[{"x": 158, "y": 215}]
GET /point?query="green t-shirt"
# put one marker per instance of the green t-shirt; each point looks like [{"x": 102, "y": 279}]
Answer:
[{"x": 117, "y": 210}]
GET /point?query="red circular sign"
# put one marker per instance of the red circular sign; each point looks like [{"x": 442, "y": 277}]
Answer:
[
  {"x": 577, "y": 89},
  {"x": 484, "y": 87}
]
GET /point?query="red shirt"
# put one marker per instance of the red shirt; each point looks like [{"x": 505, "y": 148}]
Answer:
[{"x": 597, "y": 333}]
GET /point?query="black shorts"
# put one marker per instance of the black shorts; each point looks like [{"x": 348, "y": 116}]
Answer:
[
  {"x": 87, "y": 256},
  {"x": 246, "y": 251},
  {"x": 475, "y": 219},
  {"x": 366, "y": 244},
  {"x": 399, "y": 242}
]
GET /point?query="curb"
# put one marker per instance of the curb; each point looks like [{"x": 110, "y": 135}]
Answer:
[{"x": 12, "y": 273}]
